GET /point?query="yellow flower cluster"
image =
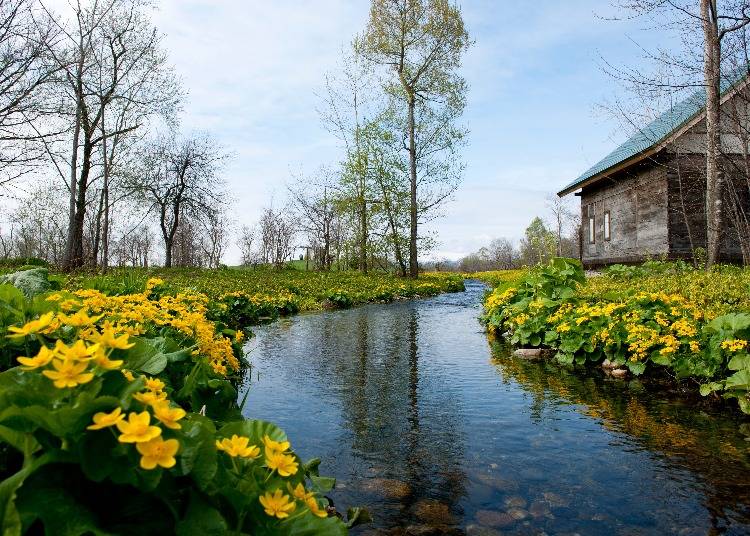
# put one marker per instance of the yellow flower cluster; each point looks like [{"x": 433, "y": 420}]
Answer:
[
  {"x": 734, "y": 345},
  {"x": 131, "y": 314},
  {"x": 277, "y": 458},
  {"x": 496, "y": 300},
  {"x": 138, "y": 428},
  {"x": 76, "y": 364}
]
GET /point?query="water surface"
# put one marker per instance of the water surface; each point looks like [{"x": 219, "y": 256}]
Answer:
[{"x": 427, "y": 423}]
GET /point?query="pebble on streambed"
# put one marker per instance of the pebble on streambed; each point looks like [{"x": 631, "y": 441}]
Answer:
[{"x": 533, "y": 353}]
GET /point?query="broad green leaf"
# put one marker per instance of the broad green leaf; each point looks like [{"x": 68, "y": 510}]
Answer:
[{"x": 201, "y": 519}]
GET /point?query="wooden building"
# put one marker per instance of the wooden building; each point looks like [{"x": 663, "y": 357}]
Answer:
[{"x": 646, "y": 199}]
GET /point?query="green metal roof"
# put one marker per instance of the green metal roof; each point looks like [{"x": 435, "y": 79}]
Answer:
[{"x": 656, "y": 131}]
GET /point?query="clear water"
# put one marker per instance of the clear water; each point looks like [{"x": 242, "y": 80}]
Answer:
[{"x": 436, "y": 430}]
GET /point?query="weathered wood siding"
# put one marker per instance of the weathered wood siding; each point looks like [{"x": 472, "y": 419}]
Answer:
[
  {"x": 637, "y": 202},
  {"x": 687, "y": 207}
]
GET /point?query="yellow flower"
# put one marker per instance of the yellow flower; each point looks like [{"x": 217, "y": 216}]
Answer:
[
  {"x": 68, "y": 374},
  {"x": 104, "y": 420},
  {"x": 695, "y": 346},
  {"x": 277, "y": 505},
  {"x": 299, "y": 492},
  {"x": 137, "y": 429},
  {"x": 312, "y": 504},
  {"x": 284, "y": 464},
  {"x": 77, "y": 352},
  {"x": 150, "y": 397},
  {"x": 69, "y": 304},
  {"x": 108, "y": 339},
  {"x": 276, "y": 446},
  {"x": 238, "y": 446},
  {"x": 239, "y": 336},
  {"x": 153, "y": 282},
  {"x": 30, "y": 328},
  {"x": 168, "y": 416},
  {"x": 41, "y": 359},
  {"x": 128, "y": 375},
  {"x": 103, "y": 361},
  {"x": 159, "y": 452},
  {"x": 154, "y": 384},
  {"x": 79, "y": 319}
]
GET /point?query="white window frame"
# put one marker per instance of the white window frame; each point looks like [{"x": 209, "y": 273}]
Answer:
[
  {"x": 592, "y": 230},
  {"x": 607, "y": 226}
]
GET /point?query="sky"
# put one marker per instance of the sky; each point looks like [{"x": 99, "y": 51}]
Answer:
[{"x": 254, "y": 70}]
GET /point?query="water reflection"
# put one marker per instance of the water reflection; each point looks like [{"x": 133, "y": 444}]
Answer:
[
  {"x": 427, "y": 424},
  {"x": 657, "y": 418}
]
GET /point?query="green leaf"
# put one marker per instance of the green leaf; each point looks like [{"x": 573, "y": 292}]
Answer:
[
  {"x": 309, "y": 525},
  {"x": 311, "y": 466},
  {"x": 322, "y": 484},
  {"x": 636, "y": 367},
  {"x": 198, "y": 454},
  {"x": 739, "y": 361},
  {"x": 201, "y": 519},
  {"x": 708, "y": 388},
  {"x": 50, "y": 495},
  {"x": 254, "y": 429},
  {"x": 22, "y": 441},
  {"x": 738, "y": 380},
  {"x": 10, "y": 521},
  {"x": 357, "y": 516}
]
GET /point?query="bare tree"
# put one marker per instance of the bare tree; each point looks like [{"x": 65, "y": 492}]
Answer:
[
  {"x": 25, "y": 35},
  {"x": 109, "y": 55},
  {"x": 179, "y": 177},
  {"x": 560, "y": 213},
  {"x": 503, "y": 253},
  {"x": 315, "y": 204},
  {"x": 213, "y": 237},
  {"x": 246, "y": 242},
  {"x": 276, "y": 232}
]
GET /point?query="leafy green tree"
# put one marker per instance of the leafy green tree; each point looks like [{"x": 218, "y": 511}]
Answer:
[
  {"x": 538, "y": 244},
  {"x": 421, "y": 43}
]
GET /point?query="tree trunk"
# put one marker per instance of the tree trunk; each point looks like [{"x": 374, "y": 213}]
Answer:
[
  {"x": 105, "y": 196},
  {"x": 413, "y": 261},
  {"x": 68, "y": 257},
  {"x": 714, "y": 190},
  {"x": 75, "y": 247},
  {"x": 363, "y": 233}
]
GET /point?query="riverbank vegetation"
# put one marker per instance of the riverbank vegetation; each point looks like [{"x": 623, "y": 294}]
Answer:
[
  {"x": 670, "y": 317},
  {"x": 131, "y": 399},
  {"x": 125, "y": 386},
  {"x": 247, "y": 296}
]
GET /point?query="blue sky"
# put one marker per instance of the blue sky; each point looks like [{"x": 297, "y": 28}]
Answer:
[{"x": 253, "y": 68}]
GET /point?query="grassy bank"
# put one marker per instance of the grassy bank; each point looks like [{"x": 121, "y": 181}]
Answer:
[
  {"x": 254, "y": 294},
  {"x": 669, "y": 317}
]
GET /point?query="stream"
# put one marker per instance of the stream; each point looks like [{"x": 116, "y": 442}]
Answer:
[{"x": 437, "y": 430}]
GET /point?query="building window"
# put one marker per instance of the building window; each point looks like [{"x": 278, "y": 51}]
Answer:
[
  {"x": 607, "y": 232},
  {"x": 592, "y": 230}
]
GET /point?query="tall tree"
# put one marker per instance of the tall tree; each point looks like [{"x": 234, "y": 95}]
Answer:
[
  {"x": 715, "y": 27},
  {"x": 110, "y": 55},
  {"x": 421, "y": 41},
  {"x": 350, "y": 104}
]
